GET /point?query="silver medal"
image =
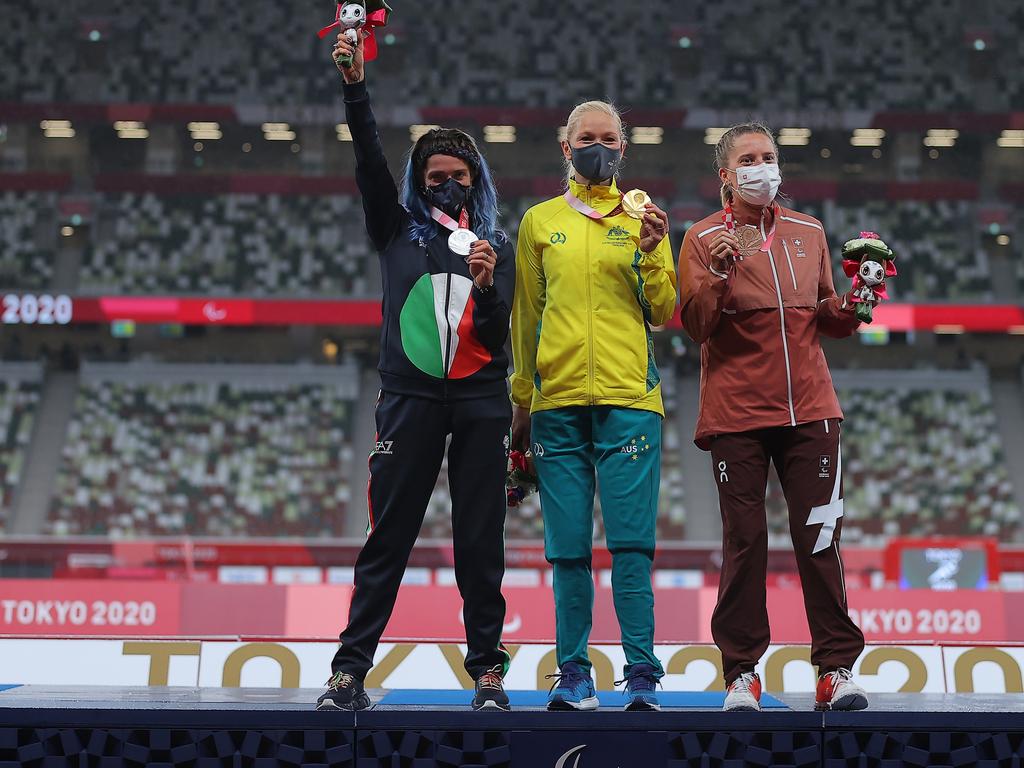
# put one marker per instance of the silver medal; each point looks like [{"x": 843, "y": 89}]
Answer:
[{"x": 461, "y": 240}]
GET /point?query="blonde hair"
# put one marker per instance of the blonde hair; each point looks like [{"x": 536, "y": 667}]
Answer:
[
  {"x": 572, "y": 125},
  {"x": 728, "y": 142}
]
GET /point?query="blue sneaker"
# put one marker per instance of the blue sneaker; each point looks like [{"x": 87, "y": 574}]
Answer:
[
  {"x": 573, "y": 690},
  {"x": 641, "y": 689}
]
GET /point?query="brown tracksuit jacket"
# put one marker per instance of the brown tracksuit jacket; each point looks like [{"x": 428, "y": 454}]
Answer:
[{"x": 768, "y": 310}]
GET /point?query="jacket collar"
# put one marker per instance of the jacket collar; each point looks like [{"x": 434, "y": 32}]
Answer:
[{"x": 595, "y": 194}]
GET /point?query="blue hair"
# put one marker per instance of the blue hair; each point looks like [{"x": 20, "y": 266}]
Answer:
[{"x": 483, "y": 204}]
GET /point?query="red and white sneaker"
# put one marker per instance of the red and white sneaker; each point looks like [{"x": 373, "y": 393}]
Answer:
[
  {"x": 837, "y": 692},
  {"x": 744, "y": 694}
]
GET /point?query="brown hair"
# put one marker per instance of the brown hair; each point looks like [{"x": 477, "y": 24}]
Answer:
[{"x": 728, "y": 141}]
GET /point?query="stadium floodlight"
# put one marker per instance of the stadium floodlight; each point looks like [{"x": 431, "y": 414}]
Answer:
[
  {"x": 941, "y": 137},
  {"x": 205, "y": 131},
  {"x": 500, "y": 134},
  {"x": 794, "y": 137},
  {"x": 648, "y": 135},
  {"x": 1011, "y": 138},
  {"x": 714, "y": 135},
  {"x": 278, "y": 132},
  {"x": 57, "y": 129},
  {"x": 344, "y": 133},
  {"x": 417, "y": 130},
  {"x": 131, "y": 129},
  {"x": 867, "y": 137}
]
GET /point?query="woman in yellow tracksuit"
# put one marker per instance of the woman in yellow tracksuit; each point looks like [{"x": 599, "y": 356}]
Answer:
[{"x": 591, "y": 281}]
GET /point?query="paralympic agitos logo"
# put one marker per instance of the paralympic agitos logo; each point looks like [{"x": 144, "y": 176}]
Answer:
[{"x": 577, "y": 752}]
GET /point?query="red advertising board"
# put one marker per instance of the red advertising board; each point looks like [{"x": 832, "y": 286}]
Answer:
[
  {"x": 434, "y": 613},
  {"x": 110, "y": 608}
]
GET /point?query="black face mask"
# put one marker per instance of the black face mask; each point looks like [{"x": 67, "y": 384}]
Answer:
[
  {"x": 597, "y": 162},
  {"x": 449, "y": 196}
]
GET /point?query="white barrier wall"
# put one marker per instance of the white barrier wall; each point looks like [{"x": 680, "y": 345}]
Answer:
[{"x": 786, "y": 669}]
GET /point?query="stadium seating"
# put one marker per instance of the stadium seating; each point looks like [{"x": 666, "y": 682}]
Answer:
[
  {"x": 27, "y": 235},
  {"x": 918, "y": 461},
  {"x": 536, "y": 55},
  {"x": 233, "y": 244},
  {"x": 236, "y": 453},
  {"x": 302, "y": 245},
  {"x": 253, "y": 245},
  {"x": 937, "y": 246},
  {"x": 18, "y": 401}
]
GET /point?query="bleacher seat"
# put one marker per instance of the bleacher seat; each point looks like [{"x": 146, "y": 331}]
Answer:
[
  {"x": 918, "y": 460},
  {"x": 252, "y": 245},
  {"x": 19, "y": 398},
  {"x": 27, "y": 240},
  {"x": 231, "y": 455}
]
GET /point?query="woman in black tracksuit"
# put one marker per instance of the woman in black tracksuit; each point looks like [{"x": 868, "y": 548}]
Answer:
[{"x": 443, "y": 372}]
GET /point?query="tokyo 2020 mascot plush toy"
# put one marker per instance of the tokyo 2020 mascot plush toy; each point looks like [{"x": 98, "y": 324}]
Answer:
[
  {"x": 869, "y": 261},
  {"x": 359, "y": 18}
]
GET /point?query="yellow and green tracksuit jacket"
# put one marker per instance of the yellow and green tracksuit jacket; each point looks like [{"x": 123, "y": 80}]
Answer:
[{"x": 585, "y": 301}]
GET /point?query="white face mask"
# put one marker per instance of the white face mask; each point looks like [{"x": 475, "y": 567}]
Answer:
[{"x": 758, "y": 184}]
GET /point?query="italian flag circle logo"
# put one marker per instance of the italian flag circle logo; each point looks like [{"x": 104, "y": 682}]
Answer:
[{"x": 438, "y": 335}]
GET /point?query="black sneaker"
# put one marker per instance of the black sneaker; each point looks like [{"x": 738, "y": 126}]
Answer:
[
  {"x": 343, "y": 692},
  {"x": 490, "y": 691}
]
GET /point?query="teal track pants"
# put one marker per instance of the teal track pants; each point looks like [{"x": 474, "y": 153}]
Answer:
[{"x": 623, "y": 445}]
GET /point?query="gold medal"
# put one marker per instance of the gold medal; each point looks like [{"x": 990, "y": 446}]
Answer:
[
  {"x": 635, "y": 202},
  {"x": 749, "y": 239}
]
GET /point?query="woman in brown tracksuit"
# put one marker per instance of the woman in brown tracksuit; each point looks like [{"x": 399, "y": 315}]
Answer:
[{"x": 757, "y": 294}]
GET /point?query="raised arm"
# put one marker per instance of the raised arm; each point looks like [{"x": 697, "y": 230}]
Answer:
[{"x": 380, "y": 194}]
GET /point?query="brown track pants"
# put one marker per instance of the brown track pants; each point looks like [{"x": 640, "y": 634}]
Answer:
[{"x": 808, "y": 461}]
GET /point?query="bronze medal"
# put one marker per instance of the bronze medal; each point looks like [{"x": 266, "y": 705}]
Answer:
[{"x": 749, "y": 238}]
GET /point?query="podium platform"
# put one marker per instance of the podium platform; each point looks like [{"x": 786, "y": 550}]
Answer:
[{"x": 48, "y": 726}]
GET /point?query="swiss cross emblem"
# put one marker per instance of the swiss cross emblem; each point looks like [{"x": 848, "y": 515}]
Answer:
[
  {"x": 798, "y": 242},
  {"x": 824, "y": 467}
]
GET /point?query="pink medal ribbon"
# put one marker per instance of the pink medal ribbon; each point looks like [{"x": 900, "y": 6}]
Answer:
[
  {"x": 462, "y": 237},
  {"x": 448, "y": 222},
  {"x": 576, "y": 204}
]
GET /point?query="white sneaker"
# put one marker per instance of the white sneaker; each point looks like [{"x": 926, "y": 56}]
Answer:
[
  {"x": 837, "y": 692},
  {"x": 744, "y": 694}
]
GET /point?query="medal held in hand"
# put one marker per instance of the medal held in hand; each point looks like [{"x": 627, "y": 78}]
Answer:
[
  {"x": 635, "y": 203},
  {"x": 461, "y": 241},
  {"x": 749, "y": 238},
  {"x": 869, "y": 261}
]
